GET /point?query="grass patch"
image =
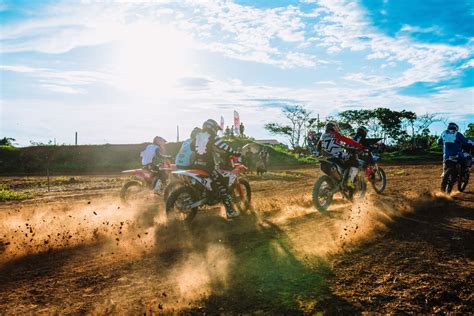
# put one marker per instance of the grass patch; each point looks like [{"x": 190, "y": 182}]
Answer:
[
  {"x": 268, "y": 272},
  {"x": 8, "y": 195},
  {"x": 407, "y": 156}
]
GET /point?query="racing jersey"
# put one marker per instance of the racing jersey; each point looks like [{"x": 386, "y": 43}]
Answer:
[
  {"x": 453, "y": 142},
  {"x": 203, "y": 144},
  {"x": 330, "y": 144},
  {"x": 151, "y": 152}
]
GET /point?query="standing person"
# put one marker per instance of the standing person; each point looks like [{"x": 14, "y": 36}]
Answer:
[
  {"x": 264, "y": 158},
  {"x": 152, "y": 156},
  {"x": 453, "y": 141},
  {"x": 241, "y": 129},
  {"x": 312, "y": 141},
  {"x": 330, "y": 144},
  {"x": 204, "y": 144},
  {"x": 227, "y": 131},
  {"x": 262, "y": 164}
]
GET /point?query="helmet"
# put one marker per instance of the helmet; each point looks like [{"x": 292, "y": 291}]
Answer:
[
  {"x": 211, "y": 125},
  {"x": 311, "y": 134},
  {"x": 159, "y": 140},
  {"x": 332, "y": 127},
  {"x": 453, "y": 127},
  {"x": 362, "y": 130}
]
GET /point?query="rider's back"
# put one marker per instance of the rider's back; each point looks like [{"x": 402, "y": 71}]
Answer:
[
  {"x": 149, "y": 153},
  {"x": 452, "y": 142},
  {"x": 330, "y": 145},
  {"x": 202, "y": 145},
  {"x": 185, "y": 156}
]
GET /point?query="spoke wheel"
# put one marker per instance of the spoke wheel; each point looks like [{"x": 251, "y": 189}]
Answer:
[
  {"x": 133, "y": 191},
  {"x": 242, "y": 195},
  {"x": 379, "y": 180},
  {"x": 322, "y": 193},
  {"x": 463, "y": 183},
  {"x": 178, "y": 205}
]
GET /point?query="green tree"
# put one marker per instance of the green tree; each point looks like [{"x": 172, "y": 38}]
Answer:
[
  {"x": 7, "y": 141},
  {"x": 470, "y": 130}
]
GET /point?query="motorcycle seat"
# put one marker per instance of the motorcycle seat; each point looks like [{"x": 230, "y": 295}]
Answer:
[{"x": 199, "y": 172}]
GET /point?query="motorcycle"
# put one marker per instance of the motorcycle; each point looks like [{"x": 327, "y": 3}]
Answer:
[
  {"x": 454, "y": 173},
  {"x": 373, "y": 172},
  {"x": 143, "y": 182},
  {"x": 193, "y": 190},
  {"x": 333, "y": 180}
]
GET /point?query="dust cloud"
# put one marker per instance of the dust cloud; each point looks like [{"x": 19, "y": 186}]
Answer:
[
  {"x": 173, "y": 267},
  {"x": 29, "y": 230}
]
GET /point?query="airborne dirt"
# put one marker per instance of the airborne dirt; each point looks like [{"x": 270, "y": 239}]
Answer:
[{"x": 79, "y": 250}]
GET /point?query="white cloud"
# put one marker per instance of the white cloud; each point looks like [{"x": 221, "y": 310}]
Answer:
[
  {"x": 62, "y": 89},
  {"x": 60, "y": 80},
  {"x": 346, "y": 27},
  {"x": 238, "y": 31}
]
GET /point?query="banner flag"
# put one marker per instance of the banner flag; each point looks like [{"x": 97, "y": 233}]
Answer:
[{"x": 236, "y": 122}]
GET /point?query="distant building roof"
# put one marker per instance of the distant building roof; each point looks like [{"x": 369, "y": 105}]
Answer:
[{"x": 267, "y": 141}]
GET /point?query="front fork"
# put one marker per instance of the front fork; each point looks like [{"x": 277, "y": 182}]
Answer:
[{"x": 370, "y": 171}]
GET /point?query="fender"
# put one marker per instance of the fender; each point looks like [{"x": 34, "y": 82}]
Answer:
[{"x": 201, "y": 179}]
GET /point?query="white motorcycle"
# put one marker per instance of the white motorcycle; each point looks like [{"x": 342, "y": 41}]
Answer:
[{"x": 192, "y": 189}]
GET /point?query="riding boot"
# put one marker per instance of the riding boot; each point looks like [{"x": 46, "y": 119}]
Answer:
[{"x": 229, "y": 209}]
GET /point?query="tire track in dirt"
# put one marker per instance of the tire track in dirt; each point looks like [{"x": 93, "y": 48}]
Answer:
[{"x": 277, "y": 259}]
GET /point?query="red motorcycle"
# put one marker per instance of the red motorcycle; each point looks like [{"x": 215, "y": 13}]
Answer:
[
  {"x": 374, "y": 174},
  {"x": 142, "y": 183},
  {"x": 192, "y": 189}
]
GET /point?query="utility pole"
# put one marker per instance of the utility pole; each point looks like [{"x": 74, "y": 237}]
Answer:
[
  {"x": 177, "y": 133},
  {"x": 76, "y": 138},
  {"x": 318, "y": 124}
]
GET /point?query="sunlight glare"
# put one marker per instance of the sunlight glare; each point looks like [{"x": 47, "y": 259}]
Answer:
[{"x": 151, "y": 58}]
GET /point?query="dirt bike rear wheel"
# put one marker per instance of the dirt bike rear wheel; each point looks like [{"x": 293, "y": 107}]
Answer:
[
  {"x": 322, "y": 196},
  {"x": 242, "y": 204},
  {"x": 176, "y": 204},
  {"x": 130, "y": 190},
  {"x": 447, "y": 182},
  {"x": 379, "y": 180},
  {"x": 463, "y": 184}
]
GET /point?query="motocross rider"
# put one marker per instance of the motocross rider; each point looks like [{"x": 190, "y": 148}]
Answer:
[
  {"x": 204, "y": 143},
  {"x": 453, "y": 141},
  {"x": 361, "y": 138},
  {"x": 312, "y": 140},
  {"x": 153, "y": 155},
  {"x": 330, "y": 145}
]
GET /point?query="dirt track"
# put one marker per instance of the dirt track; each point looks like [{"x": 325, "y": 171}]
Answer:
[{"x": 410, "y": 250}]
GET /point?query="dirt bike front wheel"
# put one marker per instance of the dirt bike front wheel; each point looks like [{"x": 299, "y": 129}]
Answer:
[
  {"x": 178, "y": 202},
  {"x": 242, "y": 195},
  {"x": 462, "y": 184},
  {"x": 131, "y": 190},
  {"x": 379, "y": 180},
  {"x": 447, "y": 182},
  {"x": 323, "y": 193}
]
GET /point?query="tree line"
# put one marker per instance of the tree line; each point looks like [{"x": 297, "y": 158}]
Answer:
[{"x": 401, "y": 129}]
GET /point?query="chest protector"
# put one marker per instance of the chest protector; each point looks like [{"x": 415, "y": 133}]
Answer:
[
  {"x": 330, "y": 145},
  {"x": 449, "y": 138},
  {"x": 202, "y": 145}
]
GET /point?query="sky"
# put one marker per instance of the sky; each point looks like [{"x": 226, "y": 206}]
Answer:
[{"x": 124, "y": 71}]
